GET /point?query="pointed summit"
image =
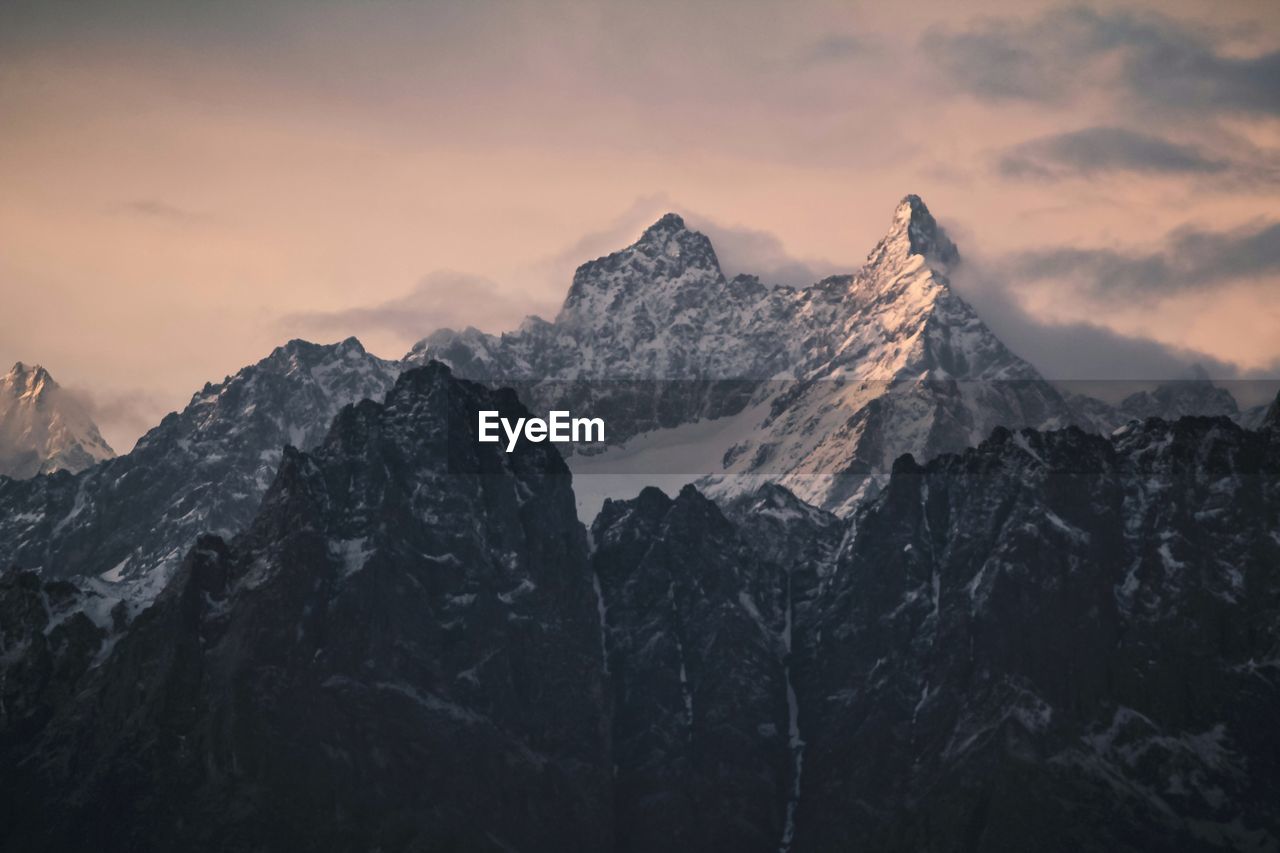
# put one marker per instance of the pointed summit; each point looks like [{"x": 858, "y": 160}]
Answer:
[
  {"x": 43, "y": 428},
  {"x": 914, "y": 231},
  {"x": 668, "y": 258},
  {"x": 668, "y": 223},
  {"x": 24, "y": 379},
  {"x": 669, "y": 238}
]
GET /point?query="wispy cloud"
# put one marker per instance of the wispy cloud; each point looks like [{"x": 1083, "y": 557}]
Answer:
[
  {"x": 1155, "y": 61},
  {"x": 1081, "y": 350},
  {"x": 1106, "y": 149},
  {"x": 834, "y": 48},
  {"x": 1190, "y": 259},
  {"x": 122, "y": 414},
  {"x": 442, "y": 299},
  {"x": 739, "y": 249},
  {"x": 761, "y": 253},
  {"x": 162, "y": 211}
]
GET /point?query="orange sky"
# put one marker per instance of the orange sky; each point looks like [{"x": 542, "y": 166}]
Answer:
[{"x": 187, "y": 186}]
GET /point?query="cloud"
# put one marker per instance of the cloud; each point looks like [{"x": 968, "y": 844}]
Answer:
[
  {"x": 122, "y": 414},
  {"x": 760, "y": 253},
  {"x": 1155, "y": 61},
  {"x": 447, "y": 299},
  {"x": 739, "y": 249},
  {"x": 441, "y": 299},
  {"x": 1082, "y": 351},
  {"x": 162, "y": 211},
  {"x": 833, "y": 49},
  {"x": 619, "y": 232},
  {"x": 1105, "y": 149},
  {"x": 1190, "y": 259}
]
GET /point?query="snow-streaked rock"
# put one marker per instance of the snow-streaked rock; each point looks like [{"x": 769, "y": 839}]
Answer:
[
  {"x": 402, "y": 652},
  {"x": 840, "y": 377},
  {"x": 1052, "y": 626},
  {"x": 694, "y": 630},
  {"x": 123, "y": 526}
]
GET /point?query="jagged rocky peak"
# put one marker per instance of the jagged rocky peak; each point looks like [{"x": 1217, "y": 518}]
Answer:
[
  {"x": 26, "y": 379},
  {"x": 692, "y": 631},
  {"x": 43, "y": 428},
  {"x": 671, "y": 238},
  {"x": 1271, "y": 420},
  {"x": 404, "y": 641},
  {"x": 1035, "y": 624},
  {"x": 669, "y": 256},
  {"x": 915, "y": 232},
  {"x": 300, "y": 354},
  {"x": 1194, "y": 395},
  {"x": 126, "y": 524}
]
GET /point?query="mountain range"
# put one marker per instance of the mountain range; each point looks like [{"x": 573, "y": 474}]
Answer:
[
  {"x": 415, "y": 645},
  {"x": 908, "y": 604},
  {"x": 122, "y": 527},
  {"x": 818, "y": 388}
]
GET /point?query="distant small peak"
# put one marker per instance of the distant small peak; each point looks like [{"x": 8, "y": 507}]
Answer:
[
  {"x": 689, "y": 492},
  {"x": 23, "y": 369},
  {"x": 1271, "y": 420},
  {"x": 654, "y": 496},
  {"x": 295, "y": 345},
  {"x": 775, "y": 495},
  {"x": 352, "y": 344},
  {"x": 668, "y": 222},
  {"x": 669, "y": 228},
  {"x": 305, "y": 350},
  {"x": 1197, "y": 373},
  {"x": 27, "y": 378},
  {"x": 431, "y": 372}
]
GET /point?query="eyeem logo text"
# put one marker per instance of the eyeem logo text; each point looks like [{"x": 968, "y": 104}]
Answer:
[{"x": 559, "y": 428}]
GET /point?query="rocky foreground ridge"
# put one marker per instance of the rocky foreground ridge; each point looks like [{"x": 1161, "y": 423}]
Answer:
[{"x": 415, "y": 645}]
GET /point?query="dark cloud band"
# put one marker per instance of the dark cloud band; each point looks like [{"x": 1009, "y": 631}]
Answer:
[
  {"x": 1106, "y": 149},
  {"x": 1161, "y": 64},
  {"x": 1190, "y": 260}
]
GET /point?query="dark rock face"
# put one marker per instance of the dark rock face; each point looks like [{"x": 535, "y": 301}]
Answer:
[
  {"x": 401, "y": 653},
  {"x": 1054, "y": 637},
  {"x": 47, "y": 643},
  {"x": 1271, "y": 420},
  {"x": 696, "y": 660}
]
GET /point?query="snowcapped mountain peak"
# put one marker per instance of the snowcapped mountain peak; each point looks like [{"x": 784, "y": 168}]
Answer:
[
  {"x": 667, "y": 224},
  {"x": 303, "y": 352},
  {"x": 671, "y": 266},
  {"x": 28, "y": 380},
  {"x": 204, "y": 469},
  {"x": 852, "y": 371},
  {"x": 672, "y": 238},
  {"x": 914, "y": 231},
  {"x": 42, "y": 428}
]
